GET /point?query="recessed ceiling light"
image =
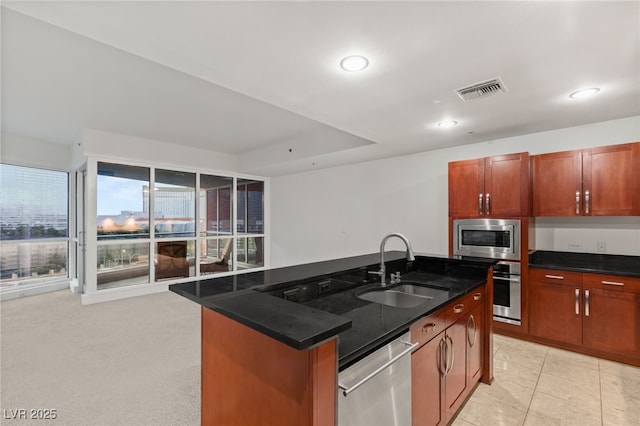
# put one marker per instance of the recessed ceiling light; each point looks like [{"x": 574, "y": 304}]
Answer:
[
  {"x": 447, "y": 124},
  {"x": 354, "y": 63},
  {"x": 584, "y": 93}
]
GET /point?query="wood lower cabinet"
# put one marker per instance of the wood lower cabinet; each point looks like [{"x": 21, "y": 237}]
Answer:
[
  {"x": 490, "y": 187},
  {"x": 603, "y": 181},
  {"x": 297, "y": 388},
  {"x": 457, "y": 383},
  {"x": 446, "y": 367},
  {"x": 428, "y": 386},
  {"x": 597, "y": 314},
  {"x": 554, "y": 305},
  {"x": 611, "y": 321},
  {"x": 475, "y": 324}
]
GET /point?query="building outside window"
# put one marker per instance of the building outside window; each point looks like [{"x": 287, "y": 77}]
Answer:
[{"x": 34, "y": 227}]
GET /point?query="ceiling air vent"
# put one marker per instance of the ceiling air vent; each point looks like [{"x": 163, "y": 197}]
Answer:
[{"x": 482, "y": 89}]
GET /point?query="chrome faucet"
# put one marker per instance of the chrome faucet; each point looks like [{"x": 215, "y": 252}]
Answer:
[{"x": 382, "y": 272}]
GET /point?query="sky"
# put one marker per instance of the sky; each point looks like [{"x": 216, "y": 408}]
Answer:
[{"x": 118, "y": 194}]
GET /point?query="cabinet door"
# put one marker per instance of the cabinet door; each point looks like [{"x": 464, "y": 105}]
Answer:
[
  {"x": 612, "y": 321},
  {"x": 555, "y": 309},
  {"x": 474, "y": 346},
  {"x": 466, "y": 186},
  {"x": 456, "y": 377},
  {"x": 427, "y": 388},
  {"x": 611, "y": 180},
  {"x": 506, "y": 185},
  {"x": 557, "y": 178}
]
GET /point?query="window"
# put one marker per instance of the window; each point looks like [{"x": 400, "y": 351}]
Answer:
[
  {"x": 123, "y": 219},
  {"x": 174, "y": 204},
  {"x": 34, "y": 226},
  {"x": 250, "y": 222},
  {"x": 123, "y": 201},
  {"x": 159, "y": 224}
]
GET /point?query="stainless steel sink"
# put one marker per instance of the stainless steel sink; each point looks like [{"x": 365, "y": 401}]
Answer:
[
  {"x": 402, "y": 296},
  {"x": 417, "y": 290}
]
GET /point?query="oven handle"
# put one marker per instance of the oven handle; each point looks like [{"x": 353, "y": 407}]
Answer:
[
  {"x": 513, "y": 280},
  {"x": 346, "y": 390}
]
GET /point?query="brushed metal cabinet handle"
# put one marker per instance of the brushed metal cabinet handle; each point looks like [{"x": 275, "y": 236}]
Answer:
[
  {"x": 488, "y": 206},
  {"x": 458, "y": 308},
  {"x": 586, "y": 202},
  {"x": 577, "y": 202},
  {"x": 477, "y": 296},
  {"x": 555, "y": 277},
  {"x": 452, "y": 354},
  {"x": 480, "y": 203},
  {"x": 428, "y": 328},
  {"x": 586, "y": 303},
  {"x": 612, "y": 283},
  {"x": 442, "y": 365},
  {"x": 475, "y": 330},
  {"x": 577, "y": 301}
]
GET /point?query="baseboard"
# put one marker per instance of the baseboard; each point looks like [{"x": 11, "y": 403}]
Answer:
[
  {"x": 16, "y": 292},
  {"x": 122, "y": 293}
]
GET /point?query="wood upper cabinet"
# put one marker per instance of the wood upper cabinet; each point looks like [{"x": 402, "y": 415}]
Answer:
[
  {"x": 593, "y": 311},
  {"x": 490, "y": 187},
  {"x": 603, "y": 181},
  {"x": 557, "y": 183}
]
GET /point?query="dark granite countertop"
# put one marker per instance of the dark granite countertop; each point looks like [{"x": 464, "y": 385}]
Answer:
[
  {"x": 595, "y": 263},
  {"x": 255, "y": 299}
]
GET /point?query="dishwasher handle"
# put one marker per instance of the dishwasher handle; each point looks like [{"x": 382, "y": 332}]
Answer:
[{"x": 346, "y": 390}]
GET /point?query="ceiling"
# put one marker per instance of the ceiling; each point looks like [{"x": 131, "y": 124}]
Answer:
[{"x": 261, "y": 80}]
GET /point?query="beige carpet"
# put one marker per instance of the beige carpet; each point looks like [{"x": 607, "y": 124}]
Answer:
[{"x": 128, "y": 362}]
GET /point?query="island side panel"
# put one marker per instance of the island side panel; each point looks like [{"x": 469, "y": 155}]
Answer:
[
  {"x": 251, "y": 379},
  {"x": 487, "y": 336}
]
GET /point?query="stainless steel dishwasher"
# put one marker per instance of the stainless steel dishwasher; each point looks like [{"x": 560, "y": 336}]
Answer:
[{"x": 376, "y": 391}]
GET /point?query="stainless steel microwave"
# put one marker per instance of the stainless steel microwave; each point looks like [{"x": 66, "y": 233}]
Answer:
[{"x": 492, "y": 238}]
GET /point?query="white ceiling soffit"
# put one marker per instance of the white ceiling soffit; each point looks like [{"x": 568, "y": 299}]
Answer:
[
  {"x": 55, "y": 83},
  {"x": 286, "y": 54}
]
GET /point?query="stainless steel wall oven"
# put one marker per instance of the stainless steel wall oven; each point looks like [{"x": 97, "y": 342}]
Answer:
[
  {"x": 495, "y": 239},
  {"x": 507, "y": 291}
]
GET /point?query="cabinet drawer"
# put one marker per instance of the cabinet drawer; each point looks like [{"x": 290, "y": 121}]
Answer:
[
  {"x": 456, "y": 310},
  {"x": 428, "y": 327},
  {"x": 553, "y": 276},
  {"x": 612, "y": 282}
]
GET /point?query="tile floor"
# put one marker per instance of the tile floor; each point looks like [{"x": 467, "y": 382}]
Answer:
[{"x": 537, "y": 385}]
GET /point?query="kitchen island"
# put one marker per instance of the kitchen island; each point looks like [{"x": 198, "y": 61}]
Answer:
[{"x": 274, "y": 341}]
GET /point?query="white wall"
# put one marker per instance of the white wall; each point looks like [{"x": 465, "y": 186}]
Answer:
[
  {"x": 129, "y": 148},
  {"x": 23, "y": 151},
  {"x": 345, "y": 211}
]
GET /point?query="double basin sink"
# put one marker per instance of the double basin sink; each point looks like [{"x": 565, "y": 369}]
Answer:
[{"x": 405, "y": 295}]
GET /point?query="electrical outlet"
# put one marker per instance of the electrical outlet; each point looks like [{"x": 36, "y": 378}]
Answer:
[
  {"x": 324, "y": 287},
  {"x": 575, "y": 246},
  {"x": 602, "y": 246}
]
